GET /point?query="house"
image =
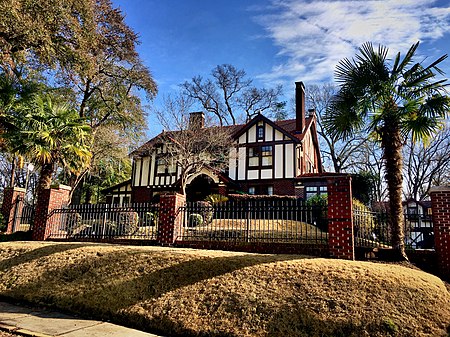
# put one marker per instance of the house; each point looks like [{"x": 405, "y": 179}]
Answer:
[
  {"x": 419, "y": 223},
  {"x": 266, "y": 157}
]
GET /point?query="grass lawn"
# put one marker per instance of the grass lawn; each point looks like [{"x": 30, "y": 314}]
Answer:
[{"x": 213, "y": 293}]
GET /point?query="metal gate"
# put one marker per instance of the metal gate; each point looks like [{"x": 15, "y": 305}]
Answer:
[{"x": 23, "y": 215}]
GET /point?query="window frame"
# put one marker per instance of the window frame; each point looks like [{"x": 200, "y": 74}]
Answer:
[{"x": 260, "y": 152}]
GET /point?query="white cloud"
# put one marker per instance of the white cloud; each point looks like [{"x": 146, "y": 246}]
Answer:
[{"x": 312, "y": 36}]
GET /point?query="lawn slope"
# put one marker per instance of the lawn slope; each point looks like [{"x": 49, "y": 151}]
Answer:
[{"x": 210, "y": 293}]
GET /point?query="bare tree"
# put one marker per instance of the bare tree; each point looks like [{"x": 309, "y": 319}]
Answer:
[
  {"x": 338, "y": 153},
  {"x": 426, "y": 165},
  {"x": 229, "y": 92},
  {"x": 369, "y": 161},
  {"x": 191, "y": 146}
]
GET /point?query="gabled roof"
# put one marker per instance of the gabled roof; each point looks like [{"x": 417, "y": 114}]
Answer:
[
  {"x": 116, "y": 186},
  {"x": 287, "y": 127},
  {"x": 276, "y": 125}
]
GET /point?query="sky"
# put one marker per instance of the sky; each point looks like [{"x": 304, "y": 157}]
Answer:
[{"x": 277, "y": 41}]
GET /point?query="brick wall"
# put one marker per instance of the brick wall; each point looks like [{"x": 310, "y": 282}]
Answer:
[
  {"x": 170, "y": 224},
  {"x": 11, "y": 206},
  {"x": 440, "y": 203},
  {"x": 47, "y": 200},
  {"x": 340, "y": 218},
  {"x": 280, "y": 186}
]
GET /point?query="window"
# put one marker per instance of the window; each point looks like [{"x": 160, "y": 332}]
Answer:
[
  {"x": 412, "y": 210},
  {"x": 261, "y": 189},
  {"x": 260, "y": 132},
  {"x": 253, "y": 156},
  {"x": 266, "y": 156},
  {"x": 126, "y": 200},
  {"x": 312, "y": 191},
  {"x": 260, "y": 156},
  {"x": 172, "y": 168},
  {"x": 160, "y": 166}
]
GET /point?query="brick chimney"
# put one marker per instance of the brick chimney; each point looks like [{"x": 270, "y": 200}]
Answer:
[
  {"x": 196, "y": 120},
  {"x": 299, "y": 107}
]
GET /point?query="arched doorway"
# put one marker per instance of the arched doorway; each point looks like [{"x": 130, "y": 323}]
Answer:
[{"x": 200, "y": 187}]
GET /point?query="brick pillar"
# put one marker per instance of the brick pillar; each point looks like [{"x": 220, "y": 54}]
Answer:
[
  {"x": 222, "y": 189},
  {"x": 340, "y": 218},
  {"x": 11, "y": 206},
  {"x": 48, "y": 200},
  {"x": 440, "y": 204},
  {"x": 170, "y": 223}
]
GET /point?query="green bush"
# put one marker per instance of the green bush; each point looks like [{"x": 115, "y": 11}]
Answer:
[
  {"x": 203, "y": 208},
  {"x": 3, "y": 224},
  {"x": 318, "y": 200},
  {"x": 195, "y": 220},
  {"x": 363, "y": 218}
]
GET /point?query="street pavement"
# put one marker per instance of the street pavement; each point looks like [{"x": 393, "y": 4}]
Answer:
[{"x": 24, "y": 321}]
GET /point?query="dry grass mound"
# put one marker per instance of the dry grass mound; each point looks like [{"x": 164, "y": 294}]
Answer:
[{"x": 182, "y": 292}]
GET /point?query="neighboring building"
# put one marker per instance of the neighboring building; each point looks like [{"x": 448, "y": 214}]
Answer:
[
  {"x": 268, "y": 157},
  {"x": 419, "y": 223}
]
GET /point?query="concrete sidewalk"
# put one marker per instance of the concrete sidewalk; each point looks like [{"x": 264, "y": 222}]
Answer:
[{"x": 41, "y": 323}]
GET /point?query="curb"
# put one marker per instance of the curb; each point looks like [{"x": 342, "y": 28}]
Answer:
[{"x": 22, "y": 332}]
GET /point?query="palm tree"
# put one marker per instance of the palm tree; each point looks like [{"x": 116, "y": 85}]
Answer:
[
  {"x": 391, "y": 102},
  {"x": 50, "y": 134}
]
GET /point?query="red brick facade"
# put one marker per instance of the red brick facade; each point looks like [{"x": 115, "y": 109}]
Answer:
[
  {"x": 440, "y": 203},
  {"x": 170, "y": 226},
  {"x": 280, "y": 186},
  {"x": 48, "y": 200},
  {"x": 11, "y": 206},
  {"x": 340, "y": 218}
]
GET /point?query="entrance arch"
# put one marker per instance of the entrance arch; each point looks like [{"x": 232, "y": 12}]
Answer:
[{"x": 200, "y": 187}]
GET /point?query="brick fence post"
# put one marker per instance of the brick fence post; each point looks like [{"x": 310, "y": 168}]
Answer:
[
  {"x": 11, "y": 206},
  {"x": 48, "y": 200},
  {"x": 170, "y": 225},
  {"x": 440, "y": 204},
  {"x": 340, "y": 218}
]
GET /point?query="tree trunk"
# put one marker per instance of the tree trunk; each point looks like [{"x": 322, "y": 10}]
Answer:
[
  {"x": 45, "y": 179},
  {"x": 13, "y": 172},
  {"x": 392, "y": 153}
]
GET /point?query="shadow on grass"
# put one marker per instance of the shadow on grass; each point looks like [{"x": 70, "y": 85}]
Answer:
[
  {"x": 86, "y": 288},
  {"x": 38, "y": 253},
  {"x": 17, "y": 236},
  {"x": 294, "y": 321}
]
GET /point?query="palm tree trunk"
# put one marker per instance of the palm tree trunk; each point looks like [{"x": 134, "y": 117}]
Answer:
[
  {"x": 45, "y": 178},
  {"x": 392, "y": 153}
]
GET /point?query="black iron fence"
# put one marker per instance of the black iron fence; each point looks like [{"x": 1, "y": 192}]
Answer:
[
  {"x": 372, "y": 229},
  {"x": 23, "y": 215},
  {"x": 102, "y": 221},
  {"x": 282, "y": 221}
]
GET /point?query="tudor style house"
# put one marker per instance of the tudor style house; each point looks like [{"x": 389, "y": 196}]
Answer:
[{"x": 266, "y": 157}]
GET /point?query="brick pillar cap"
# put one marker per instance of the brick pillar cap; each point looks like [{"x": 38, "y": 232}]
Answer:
[
  {"x": 439, "y": 189},
  {"x": 18, "y": 189},
  {"x": 62, "y": 187}
]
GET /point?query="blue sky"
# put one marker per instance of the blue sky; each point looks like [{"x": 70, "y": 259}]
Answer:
[{"x": 277, "y": 41}]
